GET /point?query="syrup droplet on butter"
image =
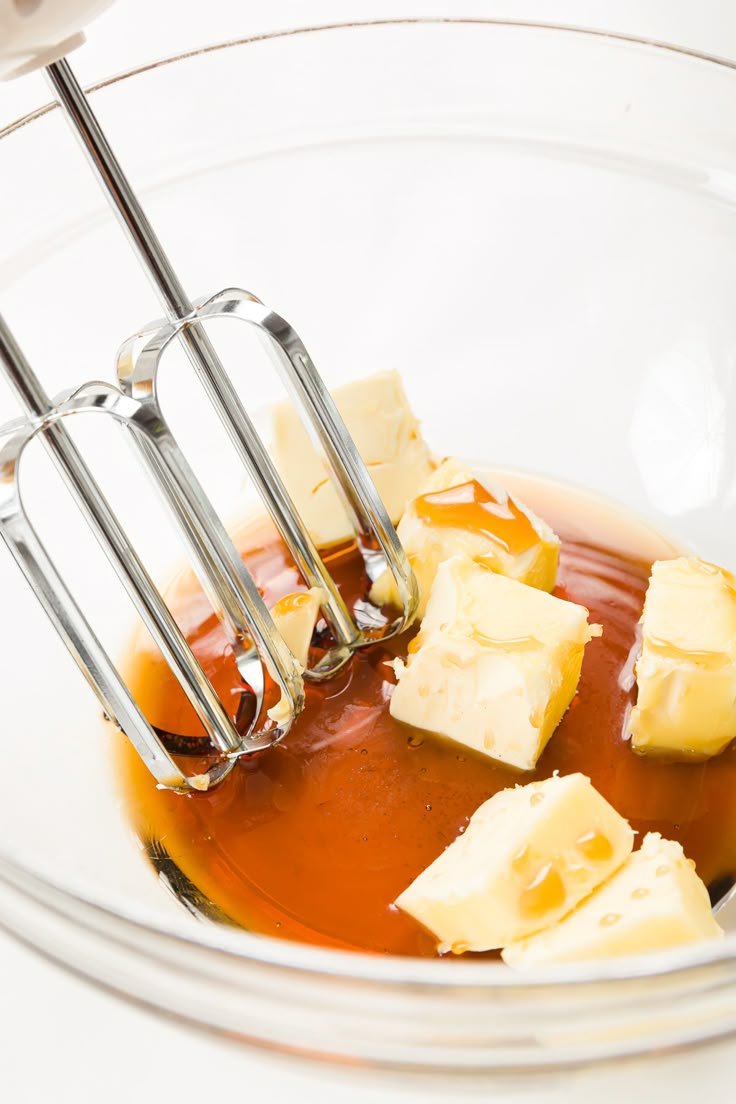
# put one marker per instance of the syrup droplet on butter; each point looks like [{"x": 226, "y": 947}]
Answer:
[
  {"x": 471, "y": 506},
  {"x": 545, "y": 892},
  {"x": 521, "y": 858},
  {"x": 595, "y": 846},
  {"x": 290, "y": 603}
]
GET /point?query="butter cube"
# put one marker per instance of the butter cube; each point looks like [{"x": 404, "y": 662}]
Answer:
[
  {"x": 295, "y": 617},
  {"x": 495, "y": 665},
  {"x": 526, "y": 858},
  {"x": 386, "y": 434},
  {"x": 654, "y": 901},
  {"x": 457, "y": 512},
  {"x": 686, "y": 673}
]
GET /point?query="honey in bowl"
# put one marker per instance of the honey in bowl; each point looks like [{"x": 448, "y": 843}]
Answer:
[
  {"x": 472, "y": 506},
  {"x": 313, "y": 840}
]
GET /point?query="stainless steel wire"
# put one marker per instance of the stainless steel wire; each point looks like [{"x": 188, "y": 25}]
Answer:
[{"x": 134, "y": 405}]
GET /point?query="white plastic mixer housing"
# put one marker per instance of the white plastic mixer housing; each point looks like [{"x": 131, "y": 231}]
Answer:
[{"x": 35, "y": 33}]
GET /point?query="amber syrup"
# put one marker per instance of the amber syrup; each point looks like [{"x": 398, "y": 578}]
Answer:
[{"x": 314, "y": 839}]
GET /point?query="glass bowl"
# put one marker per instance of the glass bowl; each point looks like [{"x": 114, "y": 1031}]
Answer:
[{"x": 537, "y": 227}]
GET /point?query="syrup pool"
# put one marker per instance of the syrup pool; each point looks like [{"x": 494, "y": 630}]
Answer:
[{"x": 314, "y": 839}]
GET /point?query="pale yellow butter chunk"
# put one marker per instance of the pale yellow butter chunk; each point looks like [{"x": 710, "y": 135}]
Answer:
[
  {"x": 386, "y": 434},
  {"x": 654, "y": 901},
  {"x": 295, "y": 617},
  {"x": 495, "y": 665},
  {"x": 458, "y": 511},
  {"x": 686, "y": 673},
  {"x": 526, "y": 858}
]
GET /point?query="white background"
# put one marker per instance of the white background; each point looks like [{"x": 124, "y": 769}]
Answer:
[{"x": 61, "y": 1040}]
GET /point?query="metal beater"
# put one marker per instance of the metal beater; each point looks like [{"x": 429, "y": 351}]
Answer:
[{"x": 40, "y": 34}]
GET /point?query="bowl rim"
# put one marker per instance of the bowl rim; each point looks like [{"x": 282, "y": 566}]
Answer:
[
  {"x": 292, "y": 32},
  {"x": 333, "y": 963}
]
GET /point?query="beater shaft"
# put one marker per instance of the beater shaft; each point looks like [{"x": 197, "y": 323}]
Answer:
[
  {"x": 202, "y": 355},
  {"x": 250, "y": 629}
]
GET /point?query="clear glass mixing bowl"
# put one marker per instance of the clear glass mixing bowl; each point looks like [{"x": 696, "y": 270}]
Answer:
[{"x": 537, "y": 227}]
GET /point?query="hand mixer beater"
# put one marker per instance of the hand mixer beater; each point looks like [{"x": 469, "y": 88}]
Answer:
[{"x": 39, "y": 34}]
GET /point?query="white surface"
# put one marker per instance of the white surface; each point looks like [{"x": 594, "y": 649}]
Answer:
[
  {"x": 64, "y": 1041},
  {"x": 68, "y": 1043}
]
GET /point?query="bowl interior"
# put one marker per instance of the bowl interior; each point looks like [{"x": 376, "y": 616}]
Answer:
[{"x": 536, "y": 228}]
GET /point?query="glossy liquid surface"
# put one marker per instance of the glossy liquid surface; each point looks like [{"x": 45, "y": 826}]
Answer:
[
  {"x": 472, "y": 506},
  {"x": 314, "y": 839}
]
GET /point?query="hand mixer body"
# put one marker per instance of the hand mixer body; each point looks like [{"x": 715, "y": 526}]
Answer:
[{"x": 35, "y": 33}]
